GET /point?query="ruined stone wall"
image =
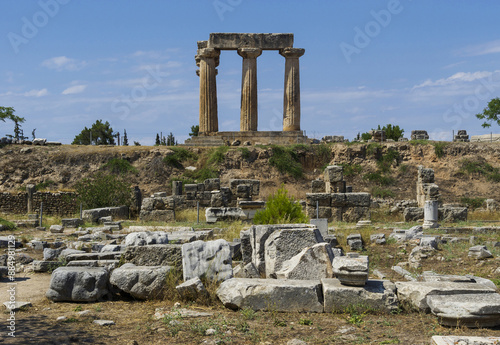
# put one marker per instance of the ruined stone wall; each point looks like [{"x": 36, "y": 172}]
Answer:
[{"x": 60, "y": 204}]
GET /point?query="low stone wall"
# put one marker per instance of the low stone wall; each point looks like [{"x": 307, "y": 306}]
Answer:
[{"x": 60, "y": 203}]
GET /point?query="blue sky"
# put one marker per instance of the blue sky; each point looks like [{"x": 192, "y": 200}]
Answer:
[{"x": 418, "y": 64}]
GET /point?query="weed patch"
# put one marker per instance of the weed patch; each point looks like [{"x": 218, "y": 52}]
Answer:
[
  {"x": 439, "y": 147},
  {"x": 119, "y": 166},
  {"x": 286, "y": 160},
  {"x": 179, "y": 156}
]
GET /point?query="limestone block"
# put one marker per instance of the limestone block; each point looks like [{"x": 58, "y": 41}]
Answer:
[
  {"x": 406, "y": 235},
  {"x": 111, "y": 248},
  {"x": 141, "y": 282},
  {"x": 154, "y": 255},
  {"x": 246, "y": 246},
  {"x": 216, "y": 214},
  {"x": 93, "y": 215},
  {"x": 145, "y": 238},
  {"x": 322, "y": 199},
  {"x": 191, "y": 188},
  {"x": 56, "y": 229},
  {"x": 355, "y": 242},
  {"x": 480, "y": 252},
  {"x": 378, "y": 238},
  {"x": 284, "y": 244},
  {"x": 338, "y": 199},
  {"x": 470, "y": 310},
  {"x": 429, "y": 241},
  {"x": 413, "y": 214},
  {"x": 233, "y": 41},
  {"x": 192, "y": 289},
  {"x": 210, "y": 259},
  {"x": 45, "y": 266},
  {"x": 464, "y": 340},
  {"x": 272, "y": 294},
  {"x": 78, "y": 284},
  {"x": 50, "y": 254},
  {"x": 311, "y": 263},
  {"x": 216, "y": 199},
  {"x": 212, "y": 184},
  {"x": 317, "y": 186},
  {"x": 357, "y": 200},
  {"x": 452, "y": 214},
  {"x": 429, "y": 276},
  {"x": 375, "y": 294},
  {"x": 415, "y": 294},
  {"x": 156, "y": 215},
  {"x": 65, "y": 252},
  {"x": 333, "y": 173},
  {"x": 255, "y": 185},
  {"x": 351, "y": 269},
  {"x": 355, "y": 214},
  {"x": 71, "y": 222},
  {"x": 247, "y": 271},
  {"x": 425, "y": 175}
]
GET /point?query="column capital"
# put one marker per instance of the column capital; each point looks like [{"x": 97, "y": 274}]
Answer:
[
  {"x": 292, "y": 52},
  {"x": 205, "y": 53},
  {"x": 249, "y": 53}
]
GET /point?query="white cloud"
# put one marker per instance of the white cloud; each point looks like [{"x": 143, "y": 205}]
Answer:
[
  {"x": 36, "y": 93},
  {"x": 61, "y": 63},
  {"x": 492, "y": 47},
  {"x": 74, "y": 89},
  {"x": 454, "y": 79}
]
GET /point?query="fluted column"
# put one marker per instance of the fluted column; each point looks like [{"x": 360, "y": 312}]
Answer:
[
  {"x": 248, "y": 115},
  {"x": 207, "y": 59},
  {"x": 291, "y": 98}
]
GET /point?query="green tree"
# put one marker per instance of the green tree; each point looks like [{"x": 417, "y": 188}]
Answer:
[
  {"x": 281, "y": 209},
  {"x": 136, "y": 143},
  {"x": 8, "y": 113},
  {"x": 491, "y": 113},
  {"x": 157, "y": 141},
  {"x": 195, "y": 130},
  {"x": 99, "y": 134},
  {"x": 170, "y": 140},
  {"x": 103, "y": 190},
  {"x": 392, "y": 132},
  {"x": 125, "y": 139}
]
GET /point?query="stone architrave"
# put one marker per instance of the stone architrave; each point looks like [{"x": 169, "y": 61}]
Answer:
[
  {"x": 208, "y": 61},
  {"x": 291, "y": 98},
  {"x": 248, "y": 120}
]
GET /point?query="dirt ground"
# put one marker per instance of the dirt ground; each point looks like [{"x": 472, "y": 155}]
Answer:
[{"x": 135, "y": 322}]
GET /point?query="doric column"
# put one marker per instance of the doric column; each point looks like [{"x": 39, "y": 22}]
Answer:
[
  {"x": 207, "y": 59},
  {"x": 291, "y": 98},
  {"x": 248, "y": 116}
]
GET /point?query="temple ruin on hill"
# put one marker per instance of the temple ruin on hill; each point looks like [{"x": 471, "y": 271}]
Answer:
[{"x": 249, "y": 46}]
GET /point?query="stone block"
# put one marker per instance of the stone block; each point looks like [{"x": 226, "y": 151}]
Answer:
[
  {"x": 311, "y": 263},
  {"x": 479, "y": 252},
  {"x": 464, "y": 340},
  {"x": 157, "y": 215},
  {"x": 357, "y": 200},
  {"x": 50, "y": 254},
  {"x": 232, "y": 41},
  {"x": 78, "y": 284},
  {"x": 145, "y": 238},
  {"x": 284, "y": 244},
  {"x": 415, "y": 294},
  {"x": 210, "y": 259},
  {"x": 355, "y": 242},
  {"x": 212, "y": 184},
  {"x": 192, "y": 289},
  {"x": 216, "y": 214},
  {"x": 176, "y": 187},
  {"x": 321, "y": 199},
  {"x": 425, "y": 175},
  {"x": 355, "y": 214},
  {"x": 71, "y": 222},
  {"x": 351, "y": 269},
  {"x": 469, "y": 310},
  {"x": 154, "y": 255},
  {"x": 317, "y": 186},
  {"x": 272, "y": 294},
  {"x": 413, "y": 214},
  {"x": 333, "y": 173},
  {"x": 141, "y": 282},
  {"x": 191, "y": 188},
  {"x": 217, "y": 200},
  {"x": 40, "y": 266},
  {"x": 338, "y": 199},
  {"x": 247, "y": 271},
  {"x": 321, "y": 224},
  {"x": 56, "y": 229},
  {"x": 93, "y": 215},
  {"x": 375, "y": 294},
  {"x": 453, "y": 214}
]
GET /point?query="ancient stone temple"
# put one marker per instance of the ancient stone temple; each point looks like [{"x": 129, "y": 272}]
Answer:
[{"x": 249, "y": 46}]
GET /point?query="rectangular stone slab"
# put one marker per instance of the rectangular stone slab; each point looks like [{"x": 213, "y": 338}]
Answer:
[
  {"x": 282, "y": 295},
  {"x": 376, "y": 294},
  {"x": 415, "y": 293},
  {"x": 453, "y": 340},
  {"x": 231, "y": 41}
]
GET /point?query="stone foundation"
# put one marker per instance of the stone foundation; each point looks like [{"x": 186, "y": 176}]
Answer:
[{"x": 249, "y": 137}]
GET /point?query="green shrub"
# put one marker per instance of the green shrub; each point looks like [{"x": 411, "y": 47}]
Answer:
[
  {"x": 281, "y": 209},
  {"x": 245, "y": 153},
  {"x": 377, "y": 177},
  {"x": 385, "y": 161},
  {"x": 179, "y": 155},
  {"x": 382, "y": 193},
  {"x": 44, "y": 185},
  {"x": 352, "y": 169},
  {"x": 119, "y": 166},
  {"x": 473, "y": 203},
  {"x": 479, "y": 168},
  {"x": 7, "y": 224},
  {"x": 218, "y": 155},
  {"x": 439, "y": 148},
  {"x": 286, "y": 160},
  {"x": 202, "y": 174},
  {"x": 103, "y": 190},
  {"x": 373, "y": 149}
]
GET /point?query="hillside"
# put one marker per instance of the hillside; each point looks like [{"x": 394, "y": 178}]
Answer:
[{"x": 461, "y": 169}]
